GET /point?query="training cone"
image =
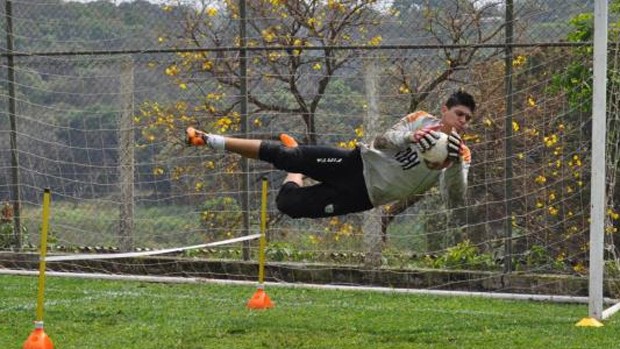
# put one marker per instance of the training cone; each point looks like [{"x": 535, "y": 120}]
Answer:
[
  {"x": 38, "y": 339},
  {"x": 260, "y": 300},
  {"x": 589, "y": 322}
]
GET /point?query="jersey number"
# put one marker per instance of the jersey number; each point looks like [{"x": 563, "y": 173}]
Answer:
[{"x": 407, "y": 158}]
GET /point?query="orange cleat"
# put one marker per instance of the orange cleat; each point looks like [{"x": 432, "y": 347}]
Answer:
[
  {"x": 195, "y": 137},
  {"x": 288, "y": 141}
]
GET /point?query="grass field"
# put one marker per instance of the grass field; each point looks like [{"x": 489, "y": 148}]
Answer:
[{"x": 93, "y": 314}]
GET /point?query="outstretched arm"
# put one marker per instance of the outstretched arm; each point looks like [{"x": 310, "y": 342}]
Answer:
[
  {"x": 401, "y": 134},
  {"x": 453, "y": 180}
]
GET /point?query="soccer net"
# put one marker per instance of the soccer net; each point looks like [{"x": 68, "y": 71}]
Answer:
[{"x": 104, "y": 131}]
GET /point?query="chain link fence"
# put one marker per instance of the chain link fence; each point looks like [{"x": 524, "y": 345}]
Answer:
[{"x": 88, "y": 74}]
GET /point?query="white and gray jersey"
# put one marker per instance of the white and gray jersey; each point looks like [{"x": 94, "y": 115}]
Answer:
[{"x": 394, "y": 169}]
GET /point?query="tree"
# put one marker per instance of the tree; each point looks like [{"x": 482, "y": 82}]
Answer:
[
  {"x": 300, "y": 72},
  {"x": 458, "y": 22}
]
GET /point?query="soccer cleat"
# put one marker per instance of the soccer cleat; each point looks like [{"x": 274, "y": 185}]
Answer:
[
  {"x": 288, "y": 141},
  {"x": 195, "y": 137}
]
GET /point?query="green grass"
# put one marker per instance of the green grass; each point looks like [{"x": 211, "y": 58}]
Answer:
[{"x": 112, "y": 314}]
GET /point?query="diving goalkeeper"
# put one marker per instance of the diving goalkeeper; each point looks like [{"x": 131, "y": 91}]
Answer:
[{"x": 388, "y": 169}]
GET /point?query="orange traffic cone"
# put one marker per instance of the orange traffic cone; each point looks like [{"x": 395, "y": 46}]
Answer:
[
  {"x": 38, "y": 339},
  {"x": 260, "y": 300}
]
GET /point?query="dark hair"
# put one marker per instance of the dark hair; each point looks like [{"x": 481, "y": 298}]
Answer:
[{"x": 463, "y": 98}]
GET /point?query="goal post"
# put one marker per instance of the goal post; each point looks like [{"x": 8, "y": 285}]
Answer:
[{"x": 598, "y": 187}]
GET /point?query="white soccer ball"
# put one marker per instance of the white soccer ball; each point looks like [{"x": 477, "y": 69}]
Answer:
[{"x": 438, "y": 154}]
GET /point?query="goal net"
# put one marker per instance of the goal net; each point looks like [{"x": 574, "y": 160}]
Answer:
[{"x": 99, "y": 118}]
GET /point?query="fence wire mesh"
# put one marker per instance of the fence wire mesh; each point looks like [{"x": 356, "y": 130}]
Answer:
[{"x": 81, "y": 67}]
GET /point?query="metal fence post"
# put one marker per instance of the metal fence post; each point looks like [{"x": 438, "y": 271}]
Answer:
[
  {"x": 245, "y": 164},
  {"x": 508, "y": 146},
  {"x": 15, "y": 185}
]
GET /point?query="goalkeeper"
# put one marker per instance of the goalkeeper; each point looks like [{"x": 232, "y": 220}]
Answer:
[{"x": 370, "y": 175}]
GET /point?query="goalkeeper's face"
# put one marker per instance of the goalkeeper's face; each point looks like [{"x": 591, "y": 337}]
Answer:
[{"x": 457, "y": 118}]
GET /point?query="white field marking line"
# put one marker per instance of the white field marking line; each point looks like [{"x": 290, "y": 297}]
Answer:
[
  {"x": 79, "y": 257},
  {"x": 88, "y": 299}
]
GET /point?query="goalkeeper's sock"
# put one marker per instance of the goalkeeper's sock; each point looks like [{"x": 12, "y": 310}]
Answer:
[{"x": 199, "y": 138}]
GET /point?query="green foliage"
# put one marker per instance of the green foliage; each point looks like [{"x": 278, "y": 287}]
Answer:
[
  {"x": 465, "y": 256},
  {"x": 612, "y": 275},
  {"x": 7, "y": 229},
  {"x": 537, "y": 258},
  {"x": 87, "y": 224},
  {"x": 280, "y": 251},
  {"x": 220, "y": 217},
  {"x": 576, "y": 78},
  {"x": 7, "y": 238},
  {"x": 6, "y": 235}
]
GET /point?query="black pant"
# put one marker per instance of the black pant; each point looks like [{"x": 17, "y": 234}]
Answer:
[{"x": 341, "y": 189}]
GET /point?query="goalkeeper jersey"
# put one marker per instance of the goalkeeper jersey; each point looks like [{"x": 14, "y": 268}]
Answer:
[{"x": 396, "y": 171}]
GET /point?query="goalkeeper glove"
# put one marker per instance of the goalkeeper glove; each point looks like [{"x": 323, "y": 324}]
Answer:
[
  {"x": 426, "y": 137},
  {"x": 455, "y": 144}
]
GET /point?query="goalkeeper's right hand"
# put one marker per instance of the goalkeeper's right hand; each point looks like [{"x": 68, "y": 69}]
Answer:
[{"x": 426, "y": 137}]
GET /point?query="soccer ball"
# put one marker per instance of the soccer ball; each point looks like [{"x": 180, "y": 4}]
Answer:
[{"x": 438, "y": 154}]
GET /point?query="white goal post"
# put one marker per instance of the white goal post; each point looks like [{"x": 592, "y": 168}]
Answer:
[{"x": 598, "y": 197}]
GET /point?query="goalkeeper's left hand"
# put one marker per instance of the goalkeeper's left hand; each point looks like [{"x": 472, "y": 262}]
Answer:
[{"x": 455, "y": 145}]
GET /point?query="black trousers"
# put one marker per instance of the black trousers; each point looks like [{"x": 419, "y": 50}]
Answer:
[{"x": 341, "y": 189}]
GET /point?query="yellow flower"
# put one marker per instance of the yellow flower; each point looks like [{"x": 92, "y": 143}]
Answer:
[
  {"x": 515, "y": 126},
  {"x": 273, "y": 56},
  {"x": 335, "y": 5},
  {"x": 317, "y": 66},
  {"x": 211, "y": 11},
  {"x": 532, "y": 132},
  {"x": 376, "y": 40},
  {"x": 551, "y": 140},
  {"x": 541, "y": 179},
  {"x": 172, "y": 70},
  {"x": 579, "y": 268},
  {"x": 519, "y": 60},
  {"x": 531, "y": 101},
  {"x": 553, "y": 211},
  {"x": 268, "y": 35}
]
